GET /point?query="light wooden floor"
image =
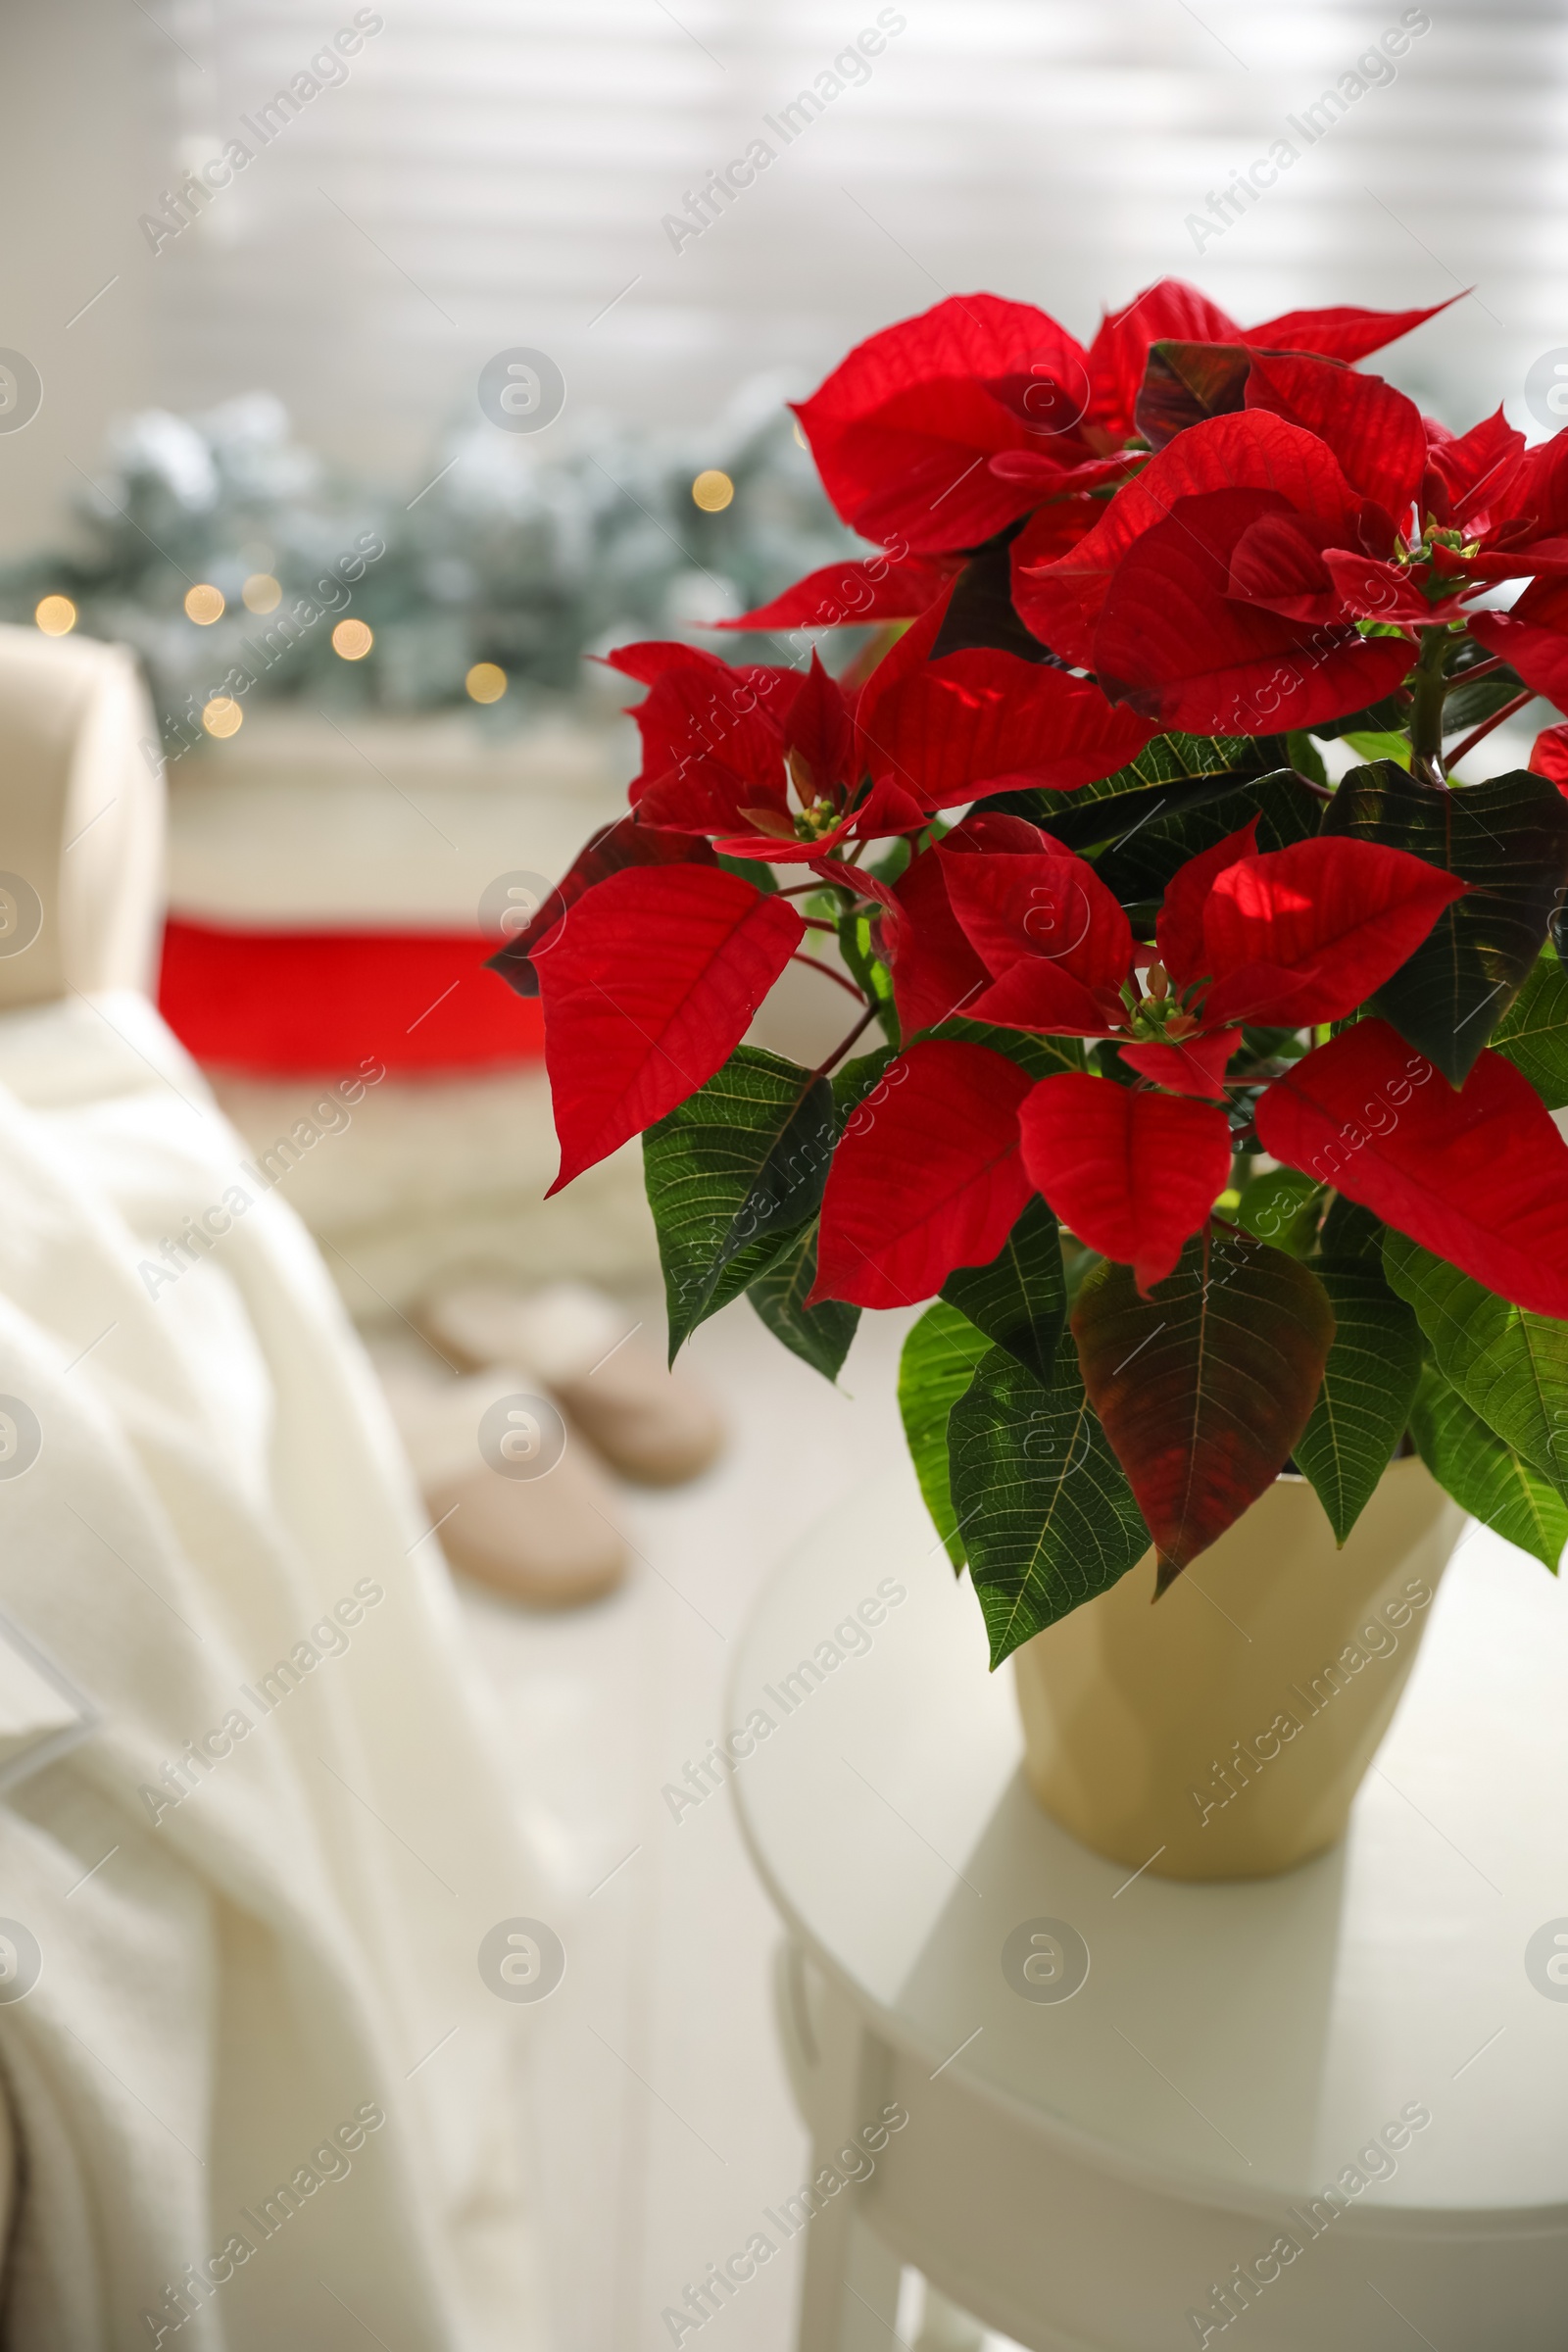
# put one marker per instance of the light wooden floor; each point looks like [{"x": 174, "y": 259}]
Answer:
[{"x": 666, "y": 2125}]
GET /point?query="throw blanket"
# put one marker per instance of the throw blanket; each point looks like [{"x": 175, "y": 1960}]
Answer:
[{"x": 261, "y": 2092}]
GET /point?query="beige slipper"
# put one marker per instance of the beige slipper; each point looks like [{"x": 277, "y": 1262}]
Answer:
[
  {"x": 517, "y": 1503},
  {"x": 650, "y": 1424}
]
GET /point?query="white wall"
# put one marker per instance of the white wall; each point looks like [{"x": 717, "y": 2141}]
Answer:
[{"x": 495, "y": 171}]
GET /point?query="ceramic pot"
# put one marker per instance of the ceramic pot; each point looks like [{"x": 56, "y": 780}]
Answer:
[{"x": 1224, "y": 1734}]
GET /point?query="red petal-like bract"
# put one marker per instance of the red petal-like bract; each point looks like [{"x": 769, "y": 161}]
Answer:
[
  {"x": 1480, "y": 1178},
  {"x": 901, "y": 429},
  {"x": 1147, "y": 598},
  {"x": 1131, "y": 1173},
  {"x": 936, "y": 972},
  {"x": 1310, "y": 932},
  {"x": 1374, "y": 431},
  {"x": 605, "y": 853},
  {"x": 927, "y": 1176},
  {"x": 843, "y": 595},
  {"x": 1176, "y": 642},
  {"x": 652, "y": 987},
  {"x": 1188, "y": 1065},
  {"x": 1179, "y": 924},
  {"x": 1170, "y": 311},
  {"x": 1533, "y": 634},
  {"x": 1549, "y": 756},
  {"x": 1346, "y": 333},
  {"x": 1051, "y": 909},
  {"x": 976, "y": 721}
]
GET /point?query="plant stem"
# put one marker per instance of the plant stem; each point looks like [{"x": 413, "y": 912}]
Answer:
[
  {"x": 837, "y": 1055},
  {"x": 828, "y": 973},
  {"x": 1426, "y": 708},
  {"x": 1486, "y": 724}
]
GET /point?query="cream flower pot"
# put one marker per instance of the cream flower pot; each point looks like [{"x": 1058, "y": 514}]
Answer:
[{"x": 1224, "y": 1734}]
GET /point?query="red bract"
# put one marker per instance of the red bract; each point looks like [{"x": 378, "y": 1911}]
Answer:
[
  {"x": 652, "y": 986},
  {"x": 724, "y": 749},
  {"x": 939, "y": 431},
  {"x": 928, "y": 1176},
  {"x": 1480, "y": 1177},
  {"x": 1130, "y": 1173},
  {"x": 1283, "y": 937},
  {"x": 901, "y": 429},
  {"x": 1174, "y": 598}
]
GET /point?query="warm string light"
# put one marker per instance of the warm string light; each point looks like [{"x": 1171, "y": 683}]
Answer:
[
  {"x": 222, "y": 716},
  {"x": 351, "y": 640},
  {"x": 205, "y": 603},
  {"x": 486, "y": 682},
  {"x": 712, "y": 490},
  {"x": 261, "y": 593},
  {"x": 55, "y": 616}
]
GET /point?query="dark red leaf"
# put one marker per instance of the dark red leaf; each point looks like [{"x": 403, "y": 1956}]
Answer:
[
  {"x": 927, "y": 1176},
  {"x": 1168, "y": 312},
  {"x": 1480, "y": 1178},
  {"x": 1131, "y": 1173},
  {"x": 1205, "y": 1385},
  {"x": 653, "y": 984}
]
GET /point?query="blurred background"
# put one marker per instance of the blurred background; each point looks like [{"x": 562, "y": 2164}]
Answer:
[{"x": 366, "y": 369}]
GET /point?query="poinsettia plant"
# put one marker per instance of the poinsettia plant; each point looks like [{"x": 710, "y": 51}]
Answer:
[{"x": 1207, "y": 1029}]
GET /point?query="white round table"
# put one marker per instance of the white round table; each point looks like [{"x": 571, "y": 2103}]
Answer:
[{"x": 1135, "y": 2166}]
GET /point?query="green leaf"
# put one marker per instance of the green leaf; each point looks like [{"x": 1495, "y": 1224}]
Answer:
[
  {"x": 1140, "y": 867},
  {"x": 1279, "y": 1206},
  {"x": 1389, "y": 746},
  {"x": 819, "y": 1336},
  {"x": 1378, "y": 718},
  {"x": 1510, "y": 1367},
  {"x": 1351, "y": 1234},
  {"x": 1466, "y": 704},
  {"x": 1047, "y": 1517},
  {"x": 1206, "y": 1385},
  {"x": 1484, "y": 1476},
  {"x": 1534, "y": 1032},
  {"x": 1508, "y": 839},
  {"x": 1040, "y": 1057},
  {"x": 854, "y": 1080},
  {"x": 939, "y": 1360},
  {"x": 1172, "y": 773},
  {"x": 1306, "y": 757},
  {"x": 742, "y": 1162},
  {"x": 1369, "y": 1384},
  {"x": 1019, "y": 1299},
  {"x": 868, "y": 969}
]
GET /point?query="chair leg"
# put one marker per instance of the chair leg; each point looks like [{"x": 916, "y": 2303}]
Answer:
[{"x": 850, "y": 2289}]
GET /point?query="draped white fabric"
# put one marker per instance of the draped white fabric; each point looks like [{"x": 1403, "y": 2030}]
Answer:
[{"x": 257, "y": 1889}]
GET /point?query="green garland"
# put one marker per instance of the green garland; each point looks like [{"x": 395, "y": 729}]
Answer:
[{"x": 528, "y": 566}]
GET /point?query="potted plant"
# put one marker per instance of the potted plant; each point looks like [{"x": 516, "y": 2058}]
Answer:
[{"x": 1207, "y": 1030}]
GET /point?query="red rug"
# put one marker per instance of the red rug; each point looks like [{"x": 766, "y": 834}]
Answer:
[{"x": 280, "y": 1003}]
